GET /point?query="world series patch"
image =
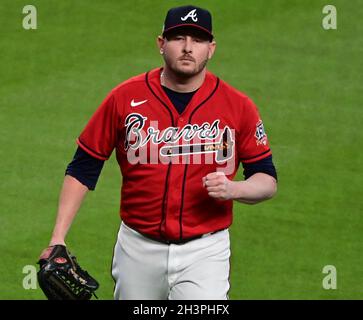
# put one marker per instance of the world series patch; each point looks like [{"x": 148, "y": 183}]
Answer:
[{"x": 261, "y": 137}]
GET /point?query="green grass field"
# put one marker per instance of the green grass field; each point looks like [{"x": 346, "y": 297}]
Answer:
[{"x": 307, "y": 82}]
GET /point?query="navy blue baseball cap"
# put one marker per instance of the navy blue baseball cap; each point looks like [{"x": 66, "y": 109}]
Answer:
[{"x": 191, "y": 17}]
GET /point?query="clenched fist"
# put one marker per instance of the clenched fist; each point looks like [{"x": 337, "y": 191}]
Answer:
[{"x": 219, "y": 186}]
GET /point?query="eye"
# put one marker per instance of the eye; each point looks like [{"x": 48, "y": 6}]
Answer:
[{"x": 198, "y": 39}]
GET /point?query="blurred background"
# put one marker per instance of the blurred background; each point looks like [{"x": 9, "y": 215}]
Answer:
[{"x": 306, "y": 81}]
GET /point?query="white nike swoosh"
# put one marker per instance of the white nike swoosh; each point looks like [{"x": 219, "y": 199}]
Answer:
[{"x": 135, "y": 104}]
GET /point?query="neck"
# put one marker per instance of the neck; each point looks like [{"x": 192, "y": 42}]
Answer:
[{"x": 181, "y": 84}]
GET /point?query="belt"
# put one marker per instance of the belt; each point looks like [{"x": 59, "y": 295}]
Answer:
[{"x": 184, "y": 240}]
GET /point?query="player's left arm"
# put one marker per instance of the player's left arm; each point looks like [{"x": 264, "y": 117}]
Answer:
[
  {"x": 256, "y": 157},
  {"x": 258, "y": 187}
]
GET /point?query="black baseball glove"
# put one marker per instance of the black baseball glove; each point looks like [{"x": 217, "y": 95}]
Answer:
[{"x": 61, "y": 278}]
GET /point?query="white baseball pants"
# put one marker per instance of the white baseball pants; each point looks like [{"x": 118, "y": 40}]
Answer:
[{"x": 144, "y": 269}]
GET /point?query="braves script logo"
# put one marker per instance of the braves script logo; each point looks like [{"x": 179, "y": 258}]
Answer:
[
  {"x": 192, "y": 14},
  {"x": 136, "y": 137}
]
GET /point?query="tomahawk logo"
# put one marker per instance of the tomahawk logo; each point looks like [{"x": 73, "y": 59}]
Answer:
[
  {"x": 192, "y": 14},
  {"x": 223, "y": 149}
]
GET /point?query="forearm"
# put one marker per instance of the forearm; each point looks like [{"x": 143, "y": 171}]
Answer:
[
  {"x": 255, "y": 189},
  {"x": 70, "y": 200}
]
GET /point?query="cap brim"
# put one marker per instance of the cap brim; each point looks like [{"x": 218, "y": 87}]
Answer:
[{"x": 210, "y": 35}]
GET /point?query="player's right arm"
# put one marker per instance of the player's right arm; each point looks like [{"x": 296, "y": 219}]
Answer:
[
  {"x": 96, "y": 144},
  {"x": 71, "y": 197},
  {"x": 81, "y": 175}
]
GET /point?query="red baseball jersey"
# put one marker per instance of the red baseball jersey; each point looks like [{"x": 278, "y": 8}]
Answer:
[{"x": 163, "y": 155}]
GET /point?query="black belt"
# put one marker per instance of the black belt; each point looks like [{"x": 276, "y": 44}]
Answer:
[{"x": 182, "y": 241}]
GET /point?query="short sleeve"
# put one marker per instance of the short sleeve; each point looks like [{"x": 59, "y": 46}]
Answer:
[
  {"x": 253, "y": 144},
  {"x": 99, "y": 137}
]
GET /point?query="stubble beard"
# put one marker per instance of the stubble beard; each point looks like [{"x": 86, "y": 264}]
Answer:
[{"x": 183, "y": 73}]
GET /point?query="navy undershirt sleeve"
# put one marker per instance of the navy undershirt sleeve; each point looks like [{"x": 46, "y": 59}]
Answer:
[
  {"x": 85, "y": 168},
  {"x": 265, "y": 166}
]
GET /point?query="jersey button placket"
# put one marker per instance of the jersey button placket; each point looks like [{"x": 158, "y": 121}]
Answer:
[
  {"x": 180, "y": 121},
  {"x": 173, "y": 203}
]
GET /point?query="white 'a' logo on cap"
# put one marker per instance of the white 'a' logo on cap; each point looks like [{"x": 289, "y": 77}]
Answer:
[{"x": 192, "y": 14}]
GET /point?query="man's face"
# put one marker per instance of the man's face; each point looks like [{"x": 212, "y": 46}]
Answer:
[{"x": 186, "y": 52}]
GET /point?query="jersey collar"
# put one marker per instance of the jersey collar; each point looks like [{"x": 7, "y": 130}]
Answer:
[{"x": 203, "y": 94}]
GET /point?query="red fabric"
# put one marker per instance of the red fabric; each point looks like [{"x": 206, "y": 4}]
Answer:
[{"x": 169, "y": 201}]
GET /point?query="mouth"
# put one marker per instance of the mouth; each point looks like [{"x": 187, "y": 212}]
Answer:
[{"x": 187, "y": 59}]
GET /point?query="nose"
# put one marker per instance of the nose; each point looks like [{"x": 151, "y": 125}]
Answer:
[{"x": 188, "y": 44}]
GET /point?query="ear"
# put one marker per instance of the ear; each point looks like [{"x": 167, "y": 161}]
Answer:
[
  {"x": 212, "y": 48},
  {"x": 160, "y": 41}
]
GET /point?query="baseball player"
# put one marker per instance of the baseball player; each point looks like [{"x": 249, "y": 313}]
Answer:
[{"x": 179, "y": 133}]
